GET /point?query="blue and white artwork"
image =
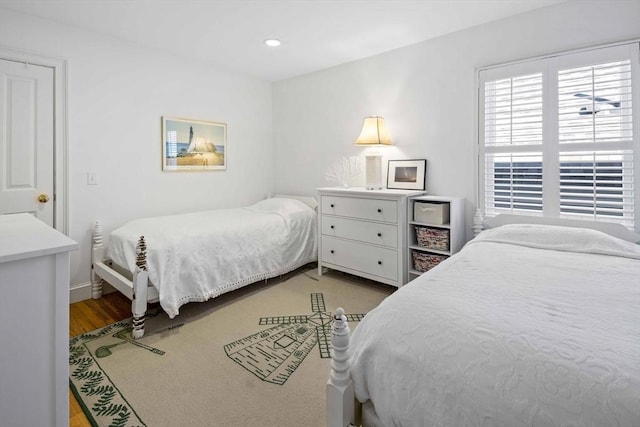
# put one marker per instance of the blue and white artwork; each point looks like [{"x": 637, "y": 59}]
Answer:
[{"x": 193, "y": 145}]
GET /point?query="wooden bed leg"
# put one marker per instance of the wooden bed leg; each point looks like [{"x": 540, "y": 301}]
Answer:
[
  {"x": 97, "y": 254},
  {"x": 340, "y": 394},
  {"x": 140, "y": 283}
]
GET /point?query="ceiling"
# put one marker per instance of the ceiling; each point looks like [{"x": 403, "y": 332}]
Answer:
[{"x": 315, "y": 34}]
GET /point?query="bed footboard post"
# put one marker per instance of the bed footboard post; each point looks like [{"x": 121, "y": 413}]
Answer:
[
  {"x": 97, "y": 254},
  {"x": 140, "y": 283},
  {"x": 340, "y": 394},
  {"x": 477, "y": 222}
]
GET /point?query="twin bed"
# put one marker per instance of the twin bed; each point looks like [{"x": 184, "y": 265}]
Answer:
[
  {"x": 178, "y": 259},
  {"x": 528, "y": 325}
]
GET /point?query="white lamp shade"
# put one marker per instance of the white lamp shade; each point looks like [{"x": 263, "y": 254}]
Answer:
[{"x": 374, "y": 132}]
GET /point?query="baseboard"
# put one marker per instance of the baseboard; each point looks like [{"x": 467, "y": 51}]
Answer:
[{"x": 82, "y": 291}]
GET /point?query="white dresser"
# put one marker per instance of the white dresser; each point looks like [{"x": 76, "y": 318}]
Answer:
[
  {"x": 363, "y": 232},
  {"x": 34, "y": 323}
]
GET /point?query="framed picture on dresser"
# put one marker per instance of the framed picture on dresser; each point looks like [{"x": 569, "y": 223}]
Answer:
[{"x": 407, "y": 174}]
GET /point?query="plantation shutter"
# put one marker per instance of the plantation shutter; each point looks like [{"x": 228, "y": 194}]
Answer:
[
  {"x": 595, "y": 132},
  {"x": 513, "y": 143},
  {"x": 557, "y": 136}
]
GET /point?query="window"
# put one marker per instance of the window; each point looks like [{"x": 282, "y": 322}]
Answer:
[{"x": 557, "y": 136}]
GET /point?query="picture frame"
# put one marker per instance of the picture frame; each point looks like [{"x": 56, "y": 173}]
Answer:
[
  {"x": 407, "y": 174},
  {"x": 193, "y": 145}
]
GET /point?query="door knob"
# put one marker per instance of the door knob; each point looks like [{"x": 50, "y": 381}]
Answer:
[{"x": 43, "y": 198}]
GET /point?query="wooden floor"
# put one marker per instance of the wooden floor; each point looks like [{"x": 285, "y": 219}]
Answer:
[{"x": 85, "y": 316}]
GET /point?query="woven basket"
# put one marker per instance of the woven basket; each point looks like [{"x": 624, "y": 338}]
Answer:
[
  {"x": 432, "y": 238},
  {"x": 423, "y": 261}
]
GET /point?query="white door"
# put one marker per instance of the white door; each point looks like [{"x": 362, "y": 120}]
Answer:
[{"x": 27, "y": 140}]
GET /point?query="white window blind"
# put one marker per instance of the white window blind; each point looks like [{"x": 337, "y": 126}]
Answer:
[
  {"x": 513, "y": 144},
  {"x": 557, "y": 136},
  {"x": 595, "y": 111},
  {"x": 597, "y": 184},
  {"x": 514, "y": 182}
]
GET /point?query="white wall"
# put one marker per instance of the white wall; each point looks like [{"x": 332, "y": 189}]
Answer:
[
  {"x": 426, "y": 94},
  {"x": 117, "y": 94}
]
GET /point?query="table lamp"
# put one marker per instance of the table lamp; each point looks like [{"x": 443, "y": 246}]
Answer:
[{"x": 374, "y": 133}]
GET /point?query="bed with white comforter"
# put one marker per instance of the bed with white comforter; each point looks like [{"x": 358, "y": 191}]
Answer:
[
  {"x": 528, "y": 325},
  {"x": 197, "y": 256}
]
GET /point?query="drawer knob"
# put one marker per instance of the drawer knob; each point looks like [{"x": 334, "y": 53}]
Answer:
[
  {"x": 379, "y": 210},
  {"x": 331, "y": 251},
  {"x": 332, "y": 205},
  {"x": 379, "y": 234},
  {"x": 332, "y": 227},
  {"x": 379, "y": 262}
]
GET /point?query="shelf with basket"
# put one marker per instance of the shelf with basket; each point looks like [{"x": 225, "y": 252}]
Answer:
[{"x": 435, "y": 231}]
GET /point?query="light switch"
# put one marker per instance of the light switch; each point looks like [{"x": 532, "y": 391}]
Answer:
[{"x": 92, "y": 178}]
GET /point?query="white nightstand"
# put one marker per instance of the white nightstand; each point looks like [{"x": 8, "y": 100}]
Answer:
[
  {"x": 363, "y": 232},
  {"x": 34, "y": 322}
]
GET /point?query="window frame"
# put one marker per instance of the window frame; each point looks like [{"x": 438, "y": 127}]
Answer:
[{"x": 551, "y": 147}]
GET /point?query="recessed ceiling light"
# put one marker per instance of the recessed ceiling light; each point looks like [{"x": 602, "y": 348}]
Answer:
[{"x": 272, "y": 42}]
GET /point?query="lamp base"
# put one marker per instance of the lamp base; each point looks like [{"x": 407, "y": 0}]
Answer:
[{"x": 373, "y": 172}]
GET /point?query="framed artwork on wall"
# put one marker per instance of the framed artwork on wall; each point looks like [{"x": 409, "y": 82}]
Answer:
[
  {"x": 407, "y": 174},
  {"x": 193, "y": 145}
]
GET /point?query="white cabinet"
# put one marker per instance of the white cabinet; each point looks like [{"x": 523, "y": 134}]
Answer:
[
  {"x": 34, "y": 323},
  {"x": 436, "y": 230},
  {"x": 363, "y": 232}
]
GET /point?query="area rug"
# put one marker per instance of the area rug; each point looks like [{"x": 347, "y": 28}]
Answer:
[{"x": 258, "y": 356}]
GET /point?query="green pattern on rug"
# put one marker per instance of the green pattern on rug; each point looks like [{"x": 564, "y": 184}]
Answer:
[
  {"x": 178, "y": 374},
  {"x": 100, "y": 398},
  {"x": 275, "y": 353}
]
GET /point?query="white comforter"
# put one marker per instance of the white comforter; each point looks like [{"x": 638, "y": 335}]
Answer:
[
  {"x": 526, "y": 326},
  {"x": 197, "y": 256}
]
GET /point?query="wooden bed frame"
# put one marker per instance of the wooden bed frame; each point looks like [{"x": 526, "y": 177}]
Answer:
[
  {"x": 343, "y": 409},
  {"x": 136, "y": 286}
]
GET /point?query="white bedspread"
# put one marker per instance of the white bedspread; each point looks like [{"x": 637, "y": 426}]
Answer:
[
  {"x": 197, "y": 256},
  {"x": 508, "y": 333}
]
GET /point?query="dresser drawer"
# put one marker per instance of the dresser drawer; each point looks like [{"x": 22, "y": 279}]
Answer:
[
  {"x": 371, "y": 209},
  {"x": 362, "y": 231},
  {"x": 374, "y": 260}
]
